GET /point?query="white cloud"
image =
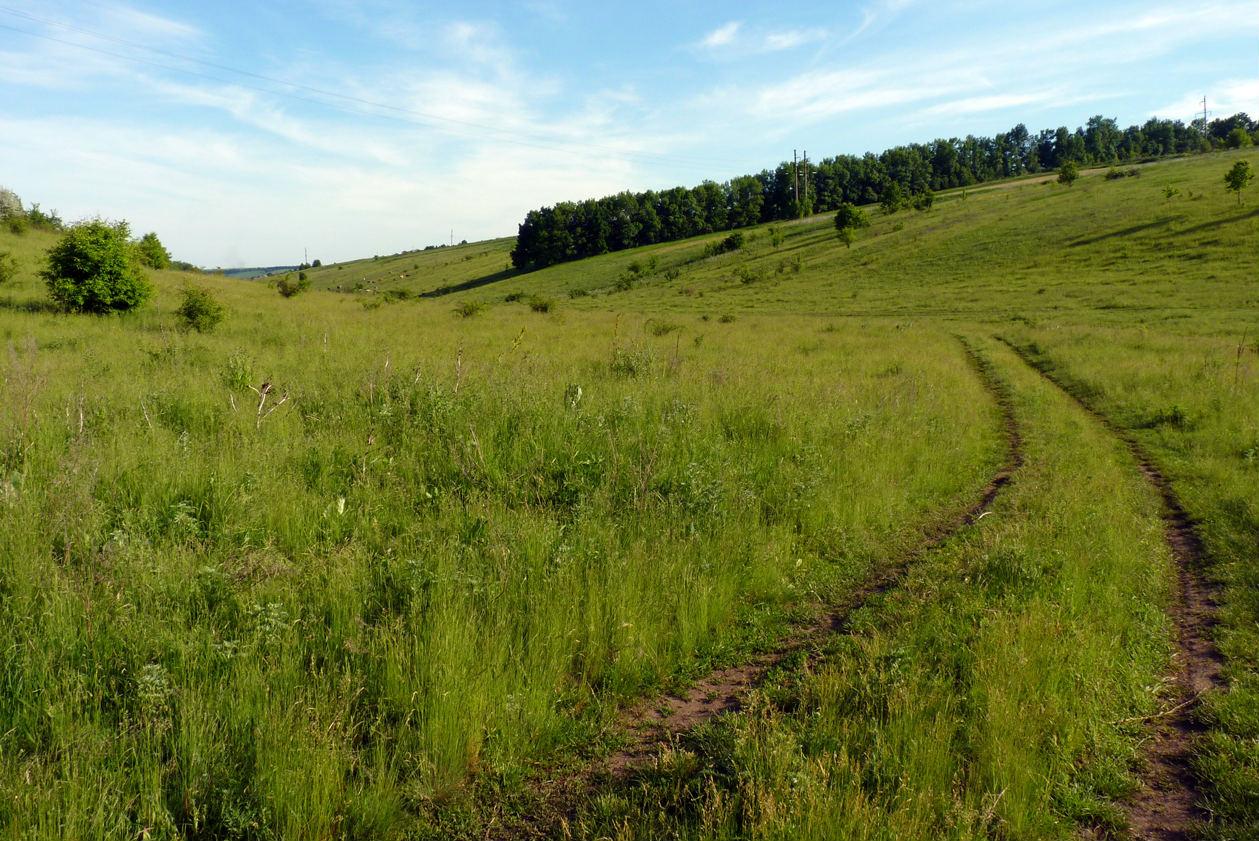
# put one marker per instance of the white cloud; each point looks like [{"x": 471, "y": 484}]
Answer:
[
  {"x": 876, "y": 15},
  {"x": 1224, "y": 99},
  {"x": 136, "y": 22},
  {"x": 1056, "y": 66},
  {"x": 722, "y": 36},
  {"x": 821, "y": 94},
  {"x": 735, "y": 38},
  {"x": 791, "y": 38}
]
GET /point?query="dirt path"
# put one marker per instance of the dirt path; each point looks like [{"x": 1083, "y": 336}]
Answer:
[
  {"x": 1167, "y": 806},
  {"x": 654, "y": 723}
]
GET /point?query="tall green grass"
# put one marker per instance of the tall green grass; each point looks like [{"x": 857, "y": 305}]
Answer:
[
  {"x": 1189, "y": 394},
  {"x": 478, "y": 525},
  {"x": 995, "y": 694},
  {"x": 452, "y": 551}
]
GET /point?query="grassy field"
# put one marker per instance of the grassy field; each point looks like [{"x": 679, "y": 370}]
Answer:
[{"x": 420, "y": 582}]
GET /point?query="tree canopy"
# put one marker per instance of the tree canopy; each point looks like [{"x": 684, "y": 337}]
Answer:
[
  {"x": 152, "y": 253},
  {"x": 574, "y": 230},
  {"x": 1236, "y": 179}
]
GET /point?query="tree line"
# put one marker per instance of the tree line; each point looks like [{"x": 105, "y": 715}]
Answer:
[{"x": 575, "y": 230}]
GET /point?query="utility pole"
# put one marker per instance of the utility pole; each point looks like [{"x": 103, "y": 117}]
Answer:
[
  {"x": 795, "y": 175},
  {"x": 806, "y": 180},
  {"x": 306, "y": 256},
  {"x": 1204, "y": 115},
  {"x": 452, "y": 237}
]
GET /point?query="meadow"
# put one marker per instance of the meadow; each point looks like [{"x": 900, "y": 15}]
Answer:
[{"x": 374, "y": 565}]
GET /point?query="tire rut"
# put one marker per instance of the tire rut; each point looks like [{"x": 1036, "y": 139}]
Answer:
[
  {"x": 1168, "y": 805},
  {"x": 653, "y": 724}
]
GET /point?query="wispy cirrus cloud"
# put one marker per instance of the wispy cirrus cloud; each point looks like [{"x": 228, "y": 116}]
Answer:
[
  {"x": 877, "y": 15},
  {"x": 1224, "y": 99},
  {"x": 722, "y": 36},
  {"x": 1056, "y": 97},
  {"x": 1056, "y": 67},
  {"x": 736, "y": 38}
]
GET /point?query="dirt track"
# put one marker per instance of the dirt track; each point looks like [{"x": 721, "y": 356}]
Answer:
[{"x": 1167, "y": 806}]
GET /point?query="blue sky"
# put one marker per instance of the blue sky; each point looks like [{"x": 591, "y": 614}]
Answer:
[{"x": 244, "y": 132}]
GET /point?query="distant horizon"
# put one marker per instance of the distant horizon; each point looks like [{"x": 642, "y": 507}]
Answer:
[{"x": 373, "y": 128}]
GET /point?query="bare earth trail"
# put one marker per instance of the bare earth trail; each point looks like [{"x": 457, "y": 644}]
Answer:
[
  {"x": 655, "y": 723},
  {"x": 1167, "y": 806}
]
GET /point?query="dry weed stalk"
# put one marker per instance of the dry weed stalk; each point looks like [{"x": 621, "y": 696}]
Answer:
[{"x": 262, "y": 391}]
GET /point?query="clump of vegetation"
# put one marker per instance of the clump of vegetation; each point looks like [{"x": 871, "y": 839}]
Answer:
[
  {"x": 199, "y": 310},
  {"x": 630, "y": 362},
  {"x": 8, "y": 268},
  {"x": 748, "y": 274},
  {"x": 538, "y": 303},
  {"x": 1239, "y": 138},
  {"x": 1170, "y": 192},
  {"x": 93, "y": 268},
  {"x": 10, "y": 203},
  {"x": 924, "y": 201},
  {"x": 1068, "y": 172},
  {"x": 894, "y": 198},
  {"x": 795, "y": 264},
  {"x": 1116, "y": 174},
  {"x": 44, "y": 221},
  {"x": 733, "y": 242},
  {"x": 288, "y": 287},
  {"x": 638, "y": 268},
  {"x": 152, "y": 253},
  {"x": 848, "y": 220},
  {"x": 467, "y": 309},
  {"x": 1236, "y": 179}
]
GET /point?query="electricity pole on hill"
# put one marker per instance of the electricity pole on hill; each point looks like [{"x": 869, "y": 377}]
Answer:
[
  {"x": 795, "y": 176},
  {"x": 806, "y": 181}
]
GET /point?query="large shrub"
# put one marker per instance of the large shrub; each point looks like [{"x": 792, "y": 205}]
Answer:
[
  {"x": 200, "y": 310},
  {"x": 8, "y": 267},
  {"x": 93, "y": 268},
  {"x": 10, "y": 204},
  {"x": 289, "y": 287}
]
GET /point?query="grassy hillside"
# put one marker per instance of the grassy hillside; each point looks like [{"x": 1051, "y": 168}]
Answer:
[
  {"x": 1029, "y": 246},
  {"x": 417, "y": 273},
  {"x": 411, "y": 590}
]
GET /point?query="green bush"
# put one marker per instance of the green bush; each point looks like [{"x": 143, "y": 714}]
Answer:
[
  {"x": 200, "y": 310},
  {"x": 848, "y": 219},
  {"x": 893, "y": 198},
  {"x": 93, "y": 268},
  {"x": 733, "y": 242},
  {"x": 8, "y": 268},
  {"x": 1068, "y": 172},
  {"x": 289, "y": 287},
  {"x": 467, "y": 309},
  {"x": 540, "y": 304}
]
